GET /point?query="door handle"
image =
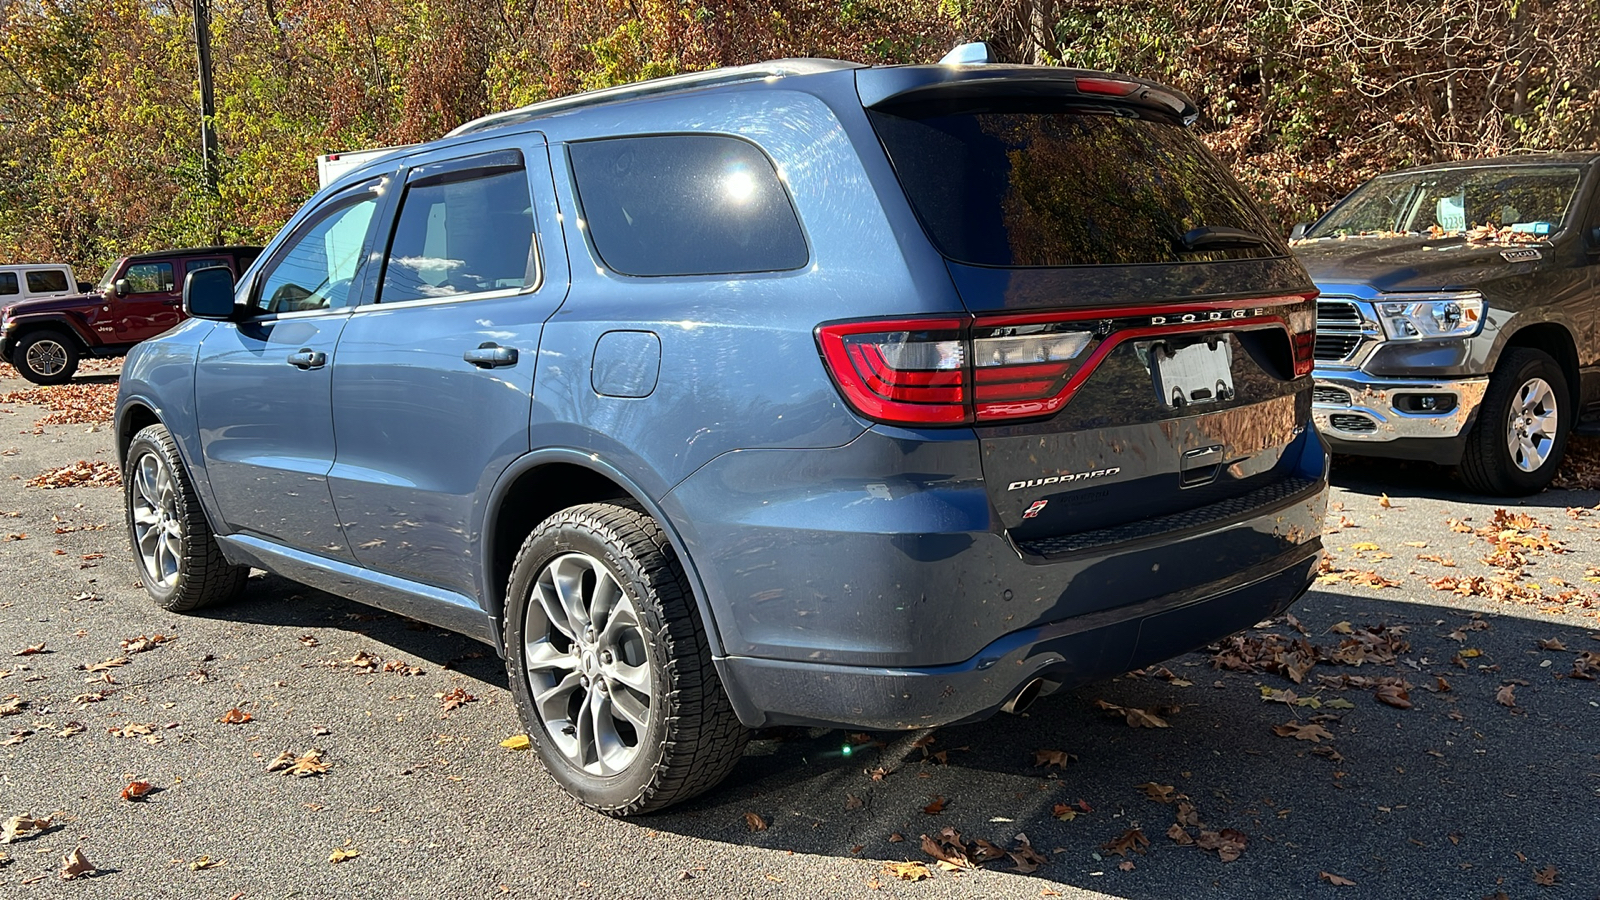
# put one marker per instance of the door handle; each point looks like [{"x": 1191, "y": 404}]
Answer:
[
  {"x": 307, "y": 358},
  {"x": 490, "y": 355}
]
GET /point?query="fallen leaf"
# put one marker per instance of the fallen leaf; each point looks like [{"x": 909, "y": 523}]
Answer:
[
  {"x": 896, "y": 837},
  {"x": 204, "y": 862},
  {"x": 1312, "y": 732},
  {"x": 1057, "y": 758},
  {"x": 1546, "y": 877},
  {"x": 851, "y": 801},
  {"x": 340, "y": 854},
  {"x": 136, "y": 790},
  {"x": 18, "y": 827},
  {"x": 1394, "y": 695},
  {"x": 235, "y": 716},
  {"x": 948, "y": 847},
  {"x": 1132, "y": 840},
  {"x": 1228, "y": 843},
  {"x": 30, "y": 651},
  {"x": 1161, "y": 793},
  {"x": 1064, "y": 812},
  {"x": 1506, "y": 696},
  {"x": 755, "y": 822},
  {"x": 1552, "y": 644},
  {"x": 304, "y": 766},
  {"x": 907, "y": 871},
  {"x": 517, "y": 742},
  {"x": 1333, "y": 879},
  {"x": 1126, "y": 865},
  {"x": 1024, "y": 858},
  {"x": 1383, "y": 501},
  {"x": 75, "y": 865},
  {"x": 936, "y": 807},
  {"x": 455, "y": 699}
]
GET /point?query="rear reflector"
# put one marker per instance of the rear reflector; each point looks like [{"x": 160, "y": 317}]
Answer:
[{"x": 960, "y": 370}]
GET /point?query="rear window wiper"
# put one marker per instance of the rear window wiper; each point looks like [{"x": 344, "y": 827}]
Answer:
[{"x": 1220, "y": 237}]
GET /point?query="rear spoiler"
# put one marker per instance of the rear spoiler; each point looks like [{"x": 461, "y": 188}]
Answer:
[{"x": 890, "y": 86}]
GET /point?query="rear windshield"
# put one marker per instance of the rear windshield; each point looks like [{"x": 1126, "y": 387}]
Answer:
[
  {"x": 47, "y": 281},
  {"x": 1043, "y": 184}
]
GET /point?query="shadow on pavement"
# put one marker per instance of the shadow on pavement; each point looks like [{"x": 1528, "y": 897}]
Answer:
[{"x": 1459, "y": 796}]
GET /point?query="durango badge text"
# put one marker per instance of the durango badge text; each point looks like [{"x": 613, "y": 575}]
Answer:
[{"x": 1063, "y": 479}]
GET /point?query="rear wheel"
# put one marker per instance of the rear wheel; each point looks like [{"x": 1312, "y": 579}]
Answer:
[
  {"x": 46, "y": 357},
  {"x": 1521, "y": 434},
  {"x": 179, "y": 562},
  {"x": 610, "y": 667}
]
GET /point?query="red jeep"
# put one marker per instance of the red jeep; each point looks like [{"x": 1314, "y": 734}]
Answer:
[{"x": 139, "y": 297}]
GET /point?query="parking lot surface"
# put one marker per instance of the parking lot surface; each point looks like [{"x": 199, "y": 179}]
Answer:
[{"x": 1424, "y": 726}]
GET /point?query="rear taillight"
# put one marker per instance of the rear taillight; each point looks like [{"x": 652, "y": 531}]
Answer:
[
  {"x": 911, "y": 372},
  {"x": 961, "y": 371}
]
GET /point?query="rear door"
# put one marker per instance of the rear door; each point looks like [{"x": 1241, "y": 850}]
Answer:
[
  {"x": 433, "y": 386},
  {"x": 1140, "y": 336}
]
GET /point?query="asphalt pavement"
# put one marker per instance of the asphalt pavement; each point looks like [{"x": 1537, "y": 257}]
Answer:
[{"x": 1471, "y": 792}]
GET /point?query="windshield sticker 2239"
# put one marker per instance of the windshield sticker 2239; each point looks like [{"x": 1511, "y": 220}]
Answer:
[{"x": 1064, "y": 479}]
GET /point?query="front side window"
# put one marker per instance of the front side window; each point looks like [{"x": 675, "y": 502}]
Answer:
[
  {"x": 47, "y": 281},
  {"x": 8, "y": 284},
  {"x": 149, "y": 278},
  {"x": 466, "y": 232},
  {"x": 686, "y": 204},
  {"x": 315, "y": 268}
]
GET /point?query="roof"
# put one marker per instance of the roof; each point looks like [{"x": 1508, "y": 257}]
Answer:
[
  {"x": 778, "y": 68},
  {"x": 196, "y": 251},
  {"x": 1521, "y": 159}
]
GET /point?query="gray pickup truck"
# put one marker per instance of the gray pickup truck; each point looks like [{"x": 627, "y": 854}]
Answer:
[{"x": 1459, "y": 320}]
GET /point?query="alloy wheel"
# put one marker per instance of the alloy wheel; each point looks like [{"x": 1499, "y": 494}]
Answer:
[
  {"x": 587, "y": 665},
  {"x": 157, "y": 527},
  {"x": 1531, "y": 426},
  {"x": 46, "y": 358}
]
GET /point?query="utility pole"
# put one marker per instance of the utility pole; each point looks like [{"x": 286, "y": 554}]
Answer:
[{"x": 208, "y": 100}]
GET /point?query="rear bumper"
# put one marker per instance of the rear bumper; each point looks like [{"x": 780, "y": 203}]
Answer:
[
  {"x": 1363, "y": 415},
  {"x": 842, "y": 596},
  {"x": 1073, "y": 651}
]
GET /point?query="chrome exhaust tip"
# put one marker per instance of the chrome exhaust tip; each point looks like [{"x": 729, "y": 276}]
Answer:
[{"x": 1024, "y": 697}]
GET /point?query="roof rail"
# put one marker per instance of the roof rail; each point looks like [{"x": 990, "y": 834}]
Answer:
[{"x": 777, "y": 68}]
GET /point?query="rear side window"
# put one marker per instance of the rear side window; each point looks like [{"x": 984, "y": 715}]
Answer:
[
  {"x": 686, "y": 204},
  {"x": 47, "y": 281},
  {"x": 195, "y": 265},
  {"x": 8, "y": 284},
  {"x": 1036, "y": 183},
  {"x": 463, "y": 232},
  {"x": 149, "y": 278}
]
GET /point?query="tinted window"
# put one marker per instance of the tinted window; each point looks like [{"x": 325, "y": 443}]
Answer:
[
  {"x": 195, "y": 265},
  {"x": 149, "y": 278},
  {"x": 47, "y": 281},
  {"x": 8, "y": 284},
  {"x": 315, "y": 269},
  {"x": 467, "y": 234},
  {"x": 1038, "y": 184},
  {"x": 686, "y": 205}
]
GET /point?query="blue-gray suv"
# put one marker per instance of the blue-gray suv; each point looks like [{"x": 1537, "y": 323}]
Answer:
[{"x": 801, "y": 393}]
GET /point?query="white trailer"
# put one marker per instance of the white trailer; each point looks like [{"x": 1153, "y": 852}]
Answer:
[{"x": 331, "y": 165}]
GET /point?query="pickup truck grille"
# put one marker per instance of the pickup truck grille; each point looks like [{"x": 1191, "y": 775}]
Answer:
[
  {"x": 1335, "y": 396},
  {"x": 1338, "y": 330}
]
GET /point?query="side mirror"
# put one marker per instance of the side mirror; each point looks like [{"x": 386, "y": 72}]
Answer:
[
  {"x": 85, "y": 287},
  {"x": 1299, "y": 230},
  {"x": 208, "y": 294},
  {"x": 119, "y": 288}
]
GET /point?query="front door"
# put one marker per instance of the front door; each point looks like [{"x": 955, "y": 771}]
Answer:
[
  {"x": 262, "y": 384},
  {"x": 152, "y": 303},
  {"x": 433, "y": 389}
]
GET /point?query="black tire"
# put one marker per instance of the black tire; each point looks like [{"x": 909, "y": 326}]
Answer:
[
  {"x": 200, "y": 575},
  {"x": 1488, "y": 465},
  {"x": 46, "y": 357},
  {"x": 692, "y": 738}
]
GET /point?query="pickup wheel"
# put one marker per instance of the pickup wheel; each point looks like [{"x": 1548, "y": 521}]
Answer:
[
  {"x": 179, "y": 562},
  {"x": 46, "y": 357},
  {"x": 1521, "y": 434},
  {"x": 609, "y": 664}
]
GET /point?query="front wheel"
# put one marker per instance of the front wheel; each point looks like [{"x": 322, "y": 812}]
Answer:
[
  {"x": 179, "y": 562},
  {"x": 46, "y": 357},
  {"x": 609, "y": 664},
  {"x": 1521, "y": 434}
]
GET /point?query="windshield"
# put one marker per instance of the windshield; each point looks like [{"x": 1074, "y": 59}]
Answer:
[
  {"x": 106, "y": 279},
  {"x": 1528, "y": 199}
]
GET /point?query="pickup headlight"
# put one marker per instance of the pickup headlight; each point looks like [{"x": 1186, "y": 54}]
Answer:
[{"x": 1421, "y": 317}]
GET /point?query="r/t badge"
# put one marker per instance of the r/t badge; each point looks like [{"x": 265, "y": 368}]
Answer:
[{"x": 1034, "y": 510}]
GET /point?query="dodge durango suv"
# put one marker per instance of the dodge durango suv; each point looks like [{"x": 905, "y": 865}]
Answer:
[
  {"x": 1457, "y": 317},
  {"x": 798, "y": 393}
]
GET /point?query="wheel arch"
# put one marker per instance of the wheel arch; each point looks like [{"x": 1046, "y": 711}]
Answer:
[
  {"x": 1556, "y": 339},
  {"x": 545, "y": 482},
  {"x": 54, "y": 322}
]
